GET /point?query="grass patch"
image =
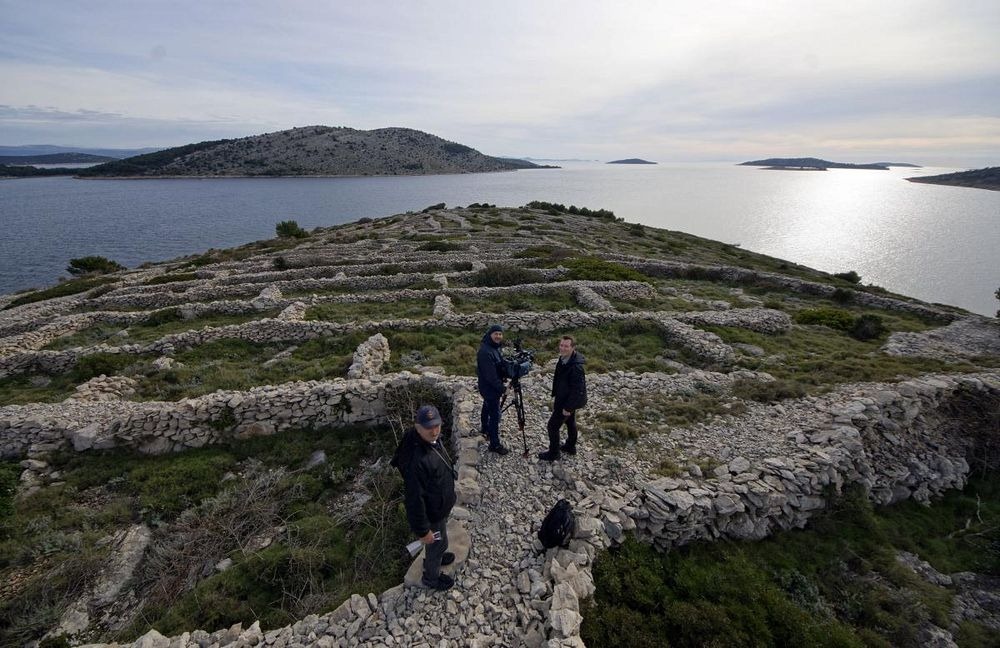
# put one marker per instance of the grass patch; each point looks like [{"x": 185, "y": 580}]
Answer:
[
  {"x": 662, "y": 411},
  {"x": 371, "y": 311},
  {"x": 50, "y": 542},
  {"x": 66, "y": 288},
  {"x": 821, "y": 358},
  {"x": 554, "y": 300},
  {"x": 596, "y": 269},
  {"x": 502, "y": 275},
  {"x": 837, "y": 583}
]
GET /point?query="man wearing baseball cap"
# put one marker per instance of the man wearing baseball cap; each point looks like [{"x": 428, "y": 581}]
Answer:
[{"x": 429, "y": 483}]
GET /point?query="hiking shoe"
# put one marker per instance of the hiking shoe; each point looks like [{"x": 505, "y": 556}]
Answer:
[
  {"x": 443, "y": 582},
  {"x": 568, "y": 449},
  {"x": 447, "y": 559},
  {"x": 500, "y": 450},
  {"x": 548, "y": 456}
]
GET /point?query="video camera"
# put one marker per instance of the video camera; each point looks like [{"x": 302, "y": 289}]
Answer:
[{"x": 517, "y": 363}]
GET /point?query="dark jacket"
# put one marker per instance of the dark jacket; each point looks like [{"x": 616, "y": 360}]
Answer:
[
  {"x": 428, "y": 479},
  {"x": 489, "y": 368},
  {"x": 569, "y": 384}
]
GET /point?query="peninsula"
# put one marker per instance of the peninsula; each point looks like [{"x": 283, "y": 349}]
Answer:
[
  {"x": 311, "y": 151},
  {"x": 988, "y": 178}
]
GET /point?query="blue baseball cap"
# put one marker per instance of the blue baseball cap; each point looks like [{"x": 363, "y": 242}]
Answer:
[{"x": 428, "y": 416}]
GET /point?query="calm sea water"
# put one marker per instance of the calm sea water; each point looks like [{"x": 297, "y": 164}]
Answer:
[{"x": 935, "y": 243}]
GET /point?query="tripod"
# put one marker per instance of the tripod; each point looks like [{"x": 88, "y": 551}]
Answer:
[{"x": 518, "y": 403}]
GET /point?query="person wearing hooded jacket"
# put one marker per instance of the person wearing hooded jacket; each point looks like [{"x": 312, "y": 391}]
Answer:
[
  {"x": 489, "y": 371},
  {"x": 429, "y": 492},
  {"x": 569, "y": 391}
]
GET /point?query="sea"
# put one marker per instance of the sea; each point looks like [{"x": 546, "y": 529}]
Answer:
[{"x": 936, "y": 243}]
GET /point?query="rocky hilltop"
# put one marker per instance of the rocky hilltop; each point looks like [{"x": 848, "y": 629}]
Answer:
[
  {"x": 312, "y": 151},
  {"x": 732, "y": 396}
]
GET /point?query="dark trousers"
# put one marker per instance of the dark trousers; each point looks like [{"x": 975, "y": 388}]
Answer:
[
  {"x": 490, "y": 418},
  {"x": 555, "y": 424},
  {"x": 434, "y": 552}
]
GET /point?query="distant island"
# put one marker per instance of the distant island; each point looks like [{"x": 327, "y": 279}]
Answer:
[
  {"x": 814, "y": 164},
  {"x": 55, "y": 158},
  {"x": 988, "y": 178},
  {"x": 311, "y": 151},
  {"x": 631, "y": 161}
]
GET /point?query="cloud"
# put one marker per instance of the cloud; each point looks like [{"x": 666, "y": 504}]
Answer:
[{"x": 565, "y": 79}]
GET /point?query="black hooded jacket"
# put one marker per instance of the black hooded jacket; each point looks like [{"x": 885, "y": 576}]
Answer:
[
  {"x": 569, "y": 384},
  {"x": 489, "y": 368},
  {"x": 428, "y": 479}
]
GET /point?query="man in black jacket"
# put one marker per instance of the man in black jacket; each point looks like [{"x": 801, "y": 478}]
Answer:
[
  {"x": 569, "y": 389},
  {"x": 489, "y": 371},
  {"x": 429, "y": 484}
]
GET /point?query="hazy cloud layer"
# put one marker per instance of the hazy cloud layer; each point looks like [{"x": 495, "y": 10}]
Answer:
[{"x": 912, "y": 79}]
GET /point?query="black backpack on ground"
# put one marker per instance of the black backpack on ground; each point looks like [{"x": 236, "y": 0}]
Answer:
[{"x": 558, "y": 526}]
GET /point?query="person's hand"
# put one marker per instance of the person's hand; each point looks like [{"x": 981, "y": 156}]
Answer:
[
  {"x": 428, "y": 538},
  {"x": 567, "y": 413}
]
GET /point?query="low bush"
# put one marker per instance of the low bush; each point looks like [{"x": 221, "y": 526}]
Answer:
[
  {"x": 595, "y": 269},
  {"x": 867, "y": 327},
  {"x": 90, "y": 265},
  {"x": 767, "y": 392},
  {"x": 835, "y": 318},
  {"x": 162, "y": 316},
  {"x": 850, "y": 276},
  {"x": 171, "y": 278},
  {"x": 289, "y": 229},
  {"x": 441, "y": 245},
  {"x": 503, "y": 275},
  {"x": 842, "y": 295}
]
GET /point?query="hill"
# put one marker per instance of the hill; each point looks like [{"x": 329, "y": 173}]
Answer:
[
  {"x": 809, "y": 163},
  {"x": 988, "y": 178},
  {"x": 631, "y": 161},
  {"x": 312, "y": 151},
  {"x": 204, "y": 443}
]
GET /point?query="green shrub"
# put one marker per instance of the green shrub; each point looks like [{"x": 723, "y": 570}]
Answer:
[
  {"x": 867, "y": 327},
  {"x": 426, "y": 210},
  {"x": 290, "y": 229},
  {"x": 96, "y": 364},
  {"x": 90, "y": 265},
  {"x": 441, "y": 245},
  {"x": 767, "y": 392},
  {"x": 171, "y": 278},
  {"x": 280, "y": 263},
  {"x": 834, "y": 318},
  {"x": 595, "y": 269},
  {"x": 636, "y": 229},
  {"x": 850, "y": 276},
  {"x": 842, "y": 296},
  {"x": 9, "y": 473},
  {"x": 503, "y": 275},
  {"x": 163, "y": 316}
]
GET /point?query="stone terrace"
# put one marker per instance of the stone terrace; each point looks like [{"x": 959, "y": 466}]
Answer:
[{"x": 746, "y": 475}]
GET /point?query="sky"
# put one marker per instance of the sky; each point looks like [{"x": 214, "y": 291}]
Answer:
[{"x": 852, "y": 81}]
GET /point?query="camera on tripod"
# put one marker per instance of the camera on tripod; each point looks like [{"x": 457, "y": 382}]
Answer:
[{"x": 517, "y": 363}]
